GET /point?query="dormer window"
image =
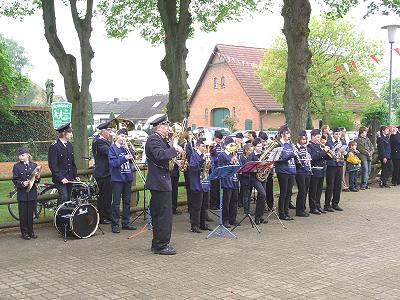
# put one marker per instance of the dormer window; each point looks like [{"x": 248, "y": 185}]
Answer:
[
  {"x": 215, "y": 82},
  {"x": 222, "y": 82}
]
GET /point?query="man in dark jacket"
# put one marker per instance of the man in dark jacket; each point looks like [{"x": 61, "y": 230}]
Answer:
[
  {"x": 395, "y": 155},
  {"x": 100, "y": 147},
  {"x": 384, "y": 153},
  {"x": 62, "y": 164},
  {"x": 158, "y": 153},
  {"x": 366, "y": 150}
]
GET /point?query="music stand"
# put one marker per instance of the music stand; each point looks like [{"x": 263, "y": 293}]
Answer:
[
  {"x": 273, "y": 157},
  {"x": 219, "y": 173},
  {"x": 252, "y": 166}
]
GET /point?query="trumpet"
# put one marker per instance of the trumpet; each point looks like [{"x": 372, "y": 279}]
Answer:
[{"x": 128, "y": 146}]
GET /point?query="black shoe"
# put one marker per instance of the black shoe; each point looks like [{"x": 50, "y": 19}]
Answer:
[
  {"x": 169, "y": 250},
  {"x": 285, "y": 218},
  {"x": 195, "y": 229},
  {"x": 394, "y": 184},
  {"x": 115, "y": 230},
  {"x": 329, "y": 209},
  {"x": 367, "y": 187},
  {"x": 315, "y": 212},
  {"x": 208, "y": 219},
  {"x": 354, "y": 190},
  {"x": 337, "y": 207},
  {"x": 32, "y": 235},
  {"x": 321, "y": 210},
  {"x": 291, "y": 206},
  {"x": 25, "y": 236},
  {"x": 105, "y": 221},
  {"x": 129, "y": 227},
  {"x": 363, "y": 188},
  {"x": 261, "y": 221},
  {"x": 302, "y": 214},
  {"x": 206, "y": 227},
  {"x": 227, "y": 225}
]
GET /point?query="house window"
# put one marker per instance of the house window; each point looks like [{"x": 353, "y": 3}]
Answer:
[
  {"x": 215, "y": 82},
  {"x": 194, "y": 126},
  {"x": 206, "y": 114},
  {"x": 222, "y": 82},
  {"x": 248, "y": 124}
]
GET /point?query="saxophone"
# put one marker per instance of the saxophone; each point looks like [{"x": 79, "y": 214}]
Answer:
[{"x": 262, "y": 173}]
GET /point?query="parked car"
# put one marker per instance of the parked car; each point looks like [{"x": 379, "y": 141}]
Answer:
[
  {"x": 209, "y": 131},
  {"x": 138, "y": 135}
]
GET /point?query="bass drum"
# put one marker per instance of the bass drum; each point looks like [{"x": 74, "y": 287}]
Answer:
[{"x": 80, "y": 220}]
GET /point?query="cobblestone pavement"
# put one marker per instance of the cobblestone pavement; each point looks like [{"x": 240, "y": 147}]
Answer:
[{"x": 352, "y": 254}]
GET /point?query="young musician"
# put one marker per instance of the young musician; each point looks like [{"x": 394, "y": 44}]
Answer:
[
  {"x": 22, "y": 174},
  {"x": 244, "y": 178},
  {"x": 62, "y": 164},
  {"x": 334, "y": 172},
  {"x": 325, "y": 134},
  {"x": 121, "y": 181},
  {"x": 216, "y": 150},
  {"x": 344, "y": 139},
  {"x": 384, "y": 153},
  {"x": 318, "y": 153},
  {"x": 366, "y": 150},
  {"x": 230, "y": 186},
  {"x": 199, "y": 188},
  {"x": 251, "y": 135},
  {"x": 189, "y": 147},
  {"x": 269, "y": 186},
  {"x": 258, "y": 183},
  {"x": 353, "y": 164},
  {"x": 285, "y": 168},
  {"x": 303, "y": 174},
  {"x": 239, "y": 141}
]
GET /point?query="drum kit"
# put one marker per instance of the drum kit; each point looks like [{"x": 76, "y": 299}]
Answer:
[{"x": 78, "y": 217}]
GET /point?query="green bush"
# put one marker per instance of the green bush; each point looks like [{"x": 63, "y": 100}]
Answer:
[{"x": 377, "y": 112}]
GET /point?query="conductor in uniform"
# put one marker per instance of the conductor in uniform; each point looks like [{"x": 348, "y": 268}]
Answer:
[
  {"x": 158, "y": 153},
  {"x": 62, "y": 163},
  {"x": 100, "y": 147}
]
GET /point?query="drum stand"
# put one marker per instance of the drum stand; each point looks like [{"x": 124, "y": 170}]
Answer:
[{"x": 145, "y": 212}]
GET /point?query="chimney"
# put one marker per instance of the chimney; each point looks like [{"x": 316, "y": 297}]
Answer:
[{"x": 116, "y": 100}]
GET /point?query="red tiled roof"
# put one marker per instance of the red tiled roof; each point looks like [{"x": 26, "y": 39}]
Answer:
[{"x": 242, "y": 61}]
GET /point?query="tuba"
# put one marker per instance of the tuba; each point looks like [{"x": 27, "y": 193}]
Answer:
[
  {"x": 262, "y": 173},
  {"x": 176, "y": 136}
]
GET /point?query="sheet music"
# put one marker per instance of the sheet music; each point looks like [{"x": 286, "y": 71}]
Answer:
[{"x": 275, "y": 154}]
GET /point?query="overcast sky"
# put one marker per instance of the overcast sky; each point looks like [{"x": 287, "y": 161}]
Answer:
[{"x": 131, "y": 68}]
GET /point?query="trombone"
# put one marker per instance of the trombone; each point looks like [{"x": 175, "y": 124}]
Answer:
[{"x": 128, "y": 146}]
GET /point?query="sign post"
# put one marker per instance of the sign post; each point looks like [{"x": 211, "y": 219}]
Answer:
[{"x": 61, "y": 112}]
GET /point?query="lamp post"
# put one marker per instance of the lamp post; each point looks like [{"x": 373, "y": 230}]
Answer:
[{"x": 391, "y": 34}]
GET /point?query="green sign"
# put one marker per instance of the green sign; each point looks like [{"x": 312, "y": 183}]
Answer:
[{"x": 61, "y": 112}]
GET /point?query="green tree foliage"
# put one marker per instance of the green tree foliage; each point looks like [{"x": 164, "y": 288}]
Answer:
[
  {"x": 17, "y": 54},
  {"x": 339, "y": 8},
  {"x": 332, "y": 42},
  {"x": 230, "y": 122},
  {"x": 377, "y": 112},
  {"x": 342, "y": 118},
  {"x": 385, "y": 92},
  {"x": 12, "y": 82}
]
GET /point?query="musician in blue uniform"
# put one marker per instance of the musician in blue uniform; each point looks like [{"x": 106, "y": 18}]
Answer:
[
  {"x": 269, "y": 184},
  {"x": 62, "y": 164},
  {"x": 22, "y": 175},
  {"x": 230, "y": 186},
  {"x": 100, "y": 147},
  {"x": 215, "y": 151},
  {"x": 318, "y": 153},
  {"x": 285, "y": 169},
  {"x": 119, "y": 157},
  {"x": 239, "y": 141},
  {"x": 199, "y": 188},
  {"x": 245, "y": 178},
  {"x": 258, "y": 183},
  {"x": 303, "y": 174},
  {"x": 334, "y": 172},
  {"x": 158, "y": 153},
  {"x": 189, "y": 147}
]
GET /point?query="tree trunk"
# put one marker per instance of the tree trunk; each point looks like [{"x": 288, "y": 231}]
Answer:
[
  {"x": 75, "y": 94},
  {"x": 174, "y": 62},
  {"x": 296, "y": 99}
]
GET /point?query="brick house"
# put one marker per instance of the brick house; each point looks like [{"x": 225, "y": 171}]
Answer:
[{"x": 229, "y": 85}]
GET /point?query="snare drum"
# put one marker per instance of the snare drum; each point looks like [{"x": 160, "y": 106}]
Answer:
[
  {"x": 83, "y": 191},
  {"x": 74, "y": 219}
]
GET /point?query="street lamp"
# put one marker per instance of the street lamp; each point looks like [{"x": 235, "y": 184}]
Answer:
[{"x": 391, "y": 33}]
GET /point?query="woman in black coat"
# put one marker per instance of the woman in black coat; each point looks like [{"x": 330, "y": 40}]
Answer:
[{"x": 384, "y": 153}]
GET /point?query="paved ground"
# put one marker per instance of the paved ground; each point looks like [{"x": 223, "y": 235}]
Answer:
[{"x": 343, "y": 255}]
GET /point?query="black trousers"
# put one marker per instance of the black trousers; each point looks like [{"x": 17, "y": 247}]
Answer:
[
  {"x": 315, "y": 192},
  {"x": 105, "y": 197},
  {"x": 387, "y": 170},
  {"x": 161, "y": 218},
  {"x": 214, "y": 194},
  {"x": 303, "y": 184},
  {"x": 198, "y": 208},
  {"x": 174, "y": 183},
  {"x": 260, "y": 187},
  {"x": 333, "y": 185},
  {"x": 286, "y": 182},
  {"x": 269, "y": 191},
  {"x": 188, "y": 192},
  {"x": 396, "y": 171},
  {"x": 64, "y": 192},
  {"x": 121, "y": 190},
  {"x": 25, "y": 213},
  {"x": 229, "y": 205}
]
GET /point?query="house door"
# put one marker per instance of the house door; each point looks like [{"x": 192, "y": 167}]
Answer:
[{"x": 218, "y": 115}]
